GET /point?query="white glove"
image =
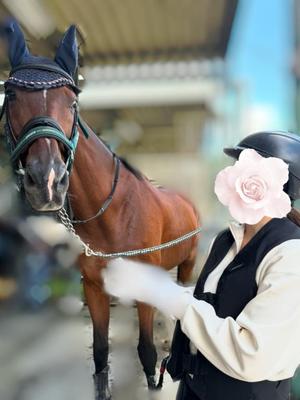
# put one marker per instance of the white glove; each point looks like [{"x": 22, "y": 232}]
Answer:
[{"x": 132, "y": 280}]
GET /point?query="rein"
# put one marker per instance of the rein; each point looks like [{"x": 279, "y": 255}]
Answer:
[
  {"x": 88, "y": 252},
  {"x": 46, "y": 127}
]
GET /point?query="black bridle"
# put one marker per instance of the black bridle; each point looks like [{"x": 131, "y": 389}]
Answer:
[
  {"x": 46, "y": 127},
  {"x": 41, "y": 126}
]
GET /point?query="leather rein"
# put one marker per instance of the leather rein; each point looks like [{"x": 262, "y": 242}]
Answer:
[{"x": 46, "y": 127}]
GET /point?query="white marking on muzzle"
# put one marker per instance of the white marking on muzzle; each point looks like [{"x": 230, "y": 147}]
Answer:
[
  {"x": 48, "y": 143},
  {"x": 50, "y": 183},
  {"x": 45, "y": 101}
]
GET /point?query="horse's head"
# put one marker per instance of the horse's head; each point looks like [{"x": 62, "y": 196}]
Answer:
[
  {"x": 46, "y": 177},
  {"x": 41, "y": 117}
]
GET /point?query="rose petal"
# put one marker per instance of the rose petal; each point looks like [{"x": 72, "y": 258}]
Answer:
[
  {"x": 259, "y": 204},
  {"x": 243, "y": 214},
  {"x": 222, "y": 188},
  {"x": 251, "y": 189},
  {"x": 276, "y": 171},
  {"x": 232, "y": 173},
  {"x": 249, "y": 156},
  {"x": 271, "y": 169},
  {"x": 278, "y": 207}
]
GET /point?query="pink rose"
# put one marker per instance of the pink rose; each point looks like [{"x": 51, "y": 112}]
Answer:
[{"x": 253, "y": 187}]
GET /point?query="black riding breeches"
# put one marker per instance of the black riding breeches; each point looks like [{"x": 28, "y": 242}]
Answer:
[
  {"x": 259, "y": 391},
  {"x": 185, "y": 393}
]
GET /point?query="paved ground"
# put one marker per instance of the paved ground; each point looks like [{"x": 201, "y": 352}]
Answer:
[{"x": 42, "y": 357}]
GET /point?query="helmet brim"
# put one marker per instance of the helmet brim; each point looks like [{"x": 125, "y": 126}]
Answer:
[{"x": 233, "y": 152}]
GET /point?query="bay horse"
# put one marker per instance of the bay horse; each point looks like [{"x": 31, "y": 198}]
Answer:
[{"x": 60, "y": 157}]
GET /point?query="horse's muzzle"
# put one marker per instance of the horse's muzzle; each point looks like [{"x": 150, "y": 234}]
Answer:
[{"x": 46, "y": 191}]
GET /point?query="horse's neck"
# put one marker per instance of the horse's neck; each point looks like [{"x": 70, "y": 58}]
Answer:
[{"x": 91, "y": 177}]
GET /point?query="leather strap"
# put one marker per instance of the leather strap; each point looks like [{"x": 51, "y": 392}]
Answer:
[{"x": 107, "y": 202}]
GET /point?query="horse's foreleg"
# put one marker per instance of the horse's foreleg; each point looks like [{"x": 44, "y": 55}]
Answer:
[
  {"x": 98, "y": 304},
  {"x": 146, "y": 349}
]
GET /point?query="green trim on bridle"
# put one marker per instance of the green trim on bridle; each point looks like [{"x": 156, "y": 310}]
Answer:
[
  {"x": 42, "y": 127},
  {"x": 46, "y": 132},
  {"x": 46, "y": 127}
]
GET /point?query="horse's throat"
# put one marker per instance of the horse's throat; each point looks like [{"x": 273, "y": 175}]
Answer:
[{"x": 92, "y": 177}]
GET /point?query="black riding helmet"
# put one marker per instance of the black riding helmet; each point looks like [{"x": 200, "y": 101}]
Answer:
[{"x": 278, "y": 144}]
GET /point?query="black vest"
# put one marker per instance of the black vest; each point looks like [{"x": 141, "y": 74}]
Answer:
[{"x": 236, "y": 287}]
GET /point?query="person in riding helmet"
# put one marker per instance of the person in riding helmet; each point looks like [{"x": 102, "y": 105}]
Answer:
[{"x": 237, "y": 334}]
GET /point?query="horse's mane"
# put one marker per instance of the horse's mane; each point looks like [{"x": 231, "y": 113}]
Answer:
[{"x": 137, "y": 173}]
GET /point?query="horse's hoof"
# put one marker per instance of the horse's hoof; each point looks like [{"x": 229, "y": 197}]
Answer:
[
  {"x": 151, "y": 382},
  {"x": 101, "y": 384}
]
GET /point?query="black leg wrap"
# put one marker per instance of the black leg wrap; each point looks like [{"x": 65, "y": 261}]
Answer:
[
  {"x": 100, "y": 351},
  {"x": 151, "y": 382},
  {"x": 101, "y": 383},
  {"x": 148, "y": 356}
]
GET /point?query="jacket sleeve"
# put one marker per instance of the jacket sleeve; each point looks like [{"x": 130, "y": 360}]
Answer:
[{"x": 264, "y": 339}]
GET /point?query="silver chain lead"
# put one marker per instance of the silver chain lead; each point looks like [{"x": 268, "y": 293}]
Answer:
[{"x": 65, "y": 220}]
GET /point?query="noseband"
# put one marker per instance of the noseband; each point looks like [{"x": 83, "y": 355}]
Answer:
[
  {"x": 41, "y": 126},
  {"x": 46, "y": 127}
]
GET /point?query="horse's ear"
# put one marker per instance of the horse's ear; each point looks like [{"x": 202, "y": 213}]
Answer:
[
  {"x": 14, "y": 37},
  {"x": 67, "y": 52}
]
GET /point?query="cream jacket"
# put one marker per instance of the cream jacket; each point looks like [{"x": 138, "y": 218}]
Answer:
[{"x": 263, "y": 342}]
